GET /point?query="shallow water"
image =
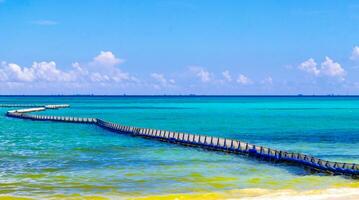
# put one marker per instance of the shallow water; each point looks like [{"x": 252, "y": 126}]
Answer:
[{"x": 44, "y": 159}]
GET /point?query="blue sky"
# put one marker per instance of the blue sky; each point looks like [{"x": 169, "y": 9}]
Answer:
[{"x": 179, "y": 47}]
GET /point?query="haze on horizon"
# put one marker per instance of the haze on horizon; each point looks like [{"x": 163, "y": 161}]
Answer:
[{"x": 179, "y": 47}]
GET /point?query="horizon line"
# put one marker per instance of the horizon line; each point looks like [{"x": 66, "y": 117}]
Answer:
[{"x": 178, "y": 95}]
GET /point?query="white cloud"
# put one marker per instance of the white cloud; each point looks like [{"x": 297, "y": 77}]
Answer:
[
  {"x": 201, "y": 73},
  {"x": 332, "y": 69},
  {"x": 15, "y": 72},
  {"x": 97, "y": 77},
  {"x": 48, "y": 71},
  {"x": 327, "y": 68},
  {"x": 106, "y": 58},
  {"x": 309, "y": 66},
  {"x": 243, "y": 80},
  {"x": 79, "y": 70},
  {"x": 355, "y": 53},
  {"x": 100, "y": 75},
  {"x": 161, "y": 79},
  {"x": 103, "y": 67},
  {"x": 3, "y": 76},
  {"x": 227, "y": 76},
  {"x": 39, "y": 71},
  {"x": 45, "y": 22}
]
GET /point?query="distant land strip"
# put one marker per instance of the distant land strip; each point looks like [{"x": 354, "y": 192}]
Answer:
[{"x": 179, "y": 95}]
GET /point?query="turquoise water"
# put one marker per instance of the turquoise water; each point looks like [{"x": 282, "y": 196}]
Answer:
[{"x": 43, "y": 159}]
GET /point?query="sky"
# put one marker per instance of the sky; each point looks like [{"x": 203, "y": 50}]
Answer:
[{"x": 179, "y": 47}]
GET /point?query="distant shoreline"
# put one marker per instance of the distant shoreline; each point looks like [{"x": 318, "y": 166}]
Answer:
[{"x": 191, "y": 95}]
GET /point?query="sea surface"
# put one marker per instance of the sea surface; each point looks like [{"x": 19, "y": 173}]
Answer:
[{"x": 51, "y": 160}]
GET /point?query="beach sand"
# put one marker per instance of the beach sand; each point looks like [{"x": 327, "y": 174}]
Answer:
[
  {"x": 347, "y": 193},
  {"x": 264, "y": 194}
]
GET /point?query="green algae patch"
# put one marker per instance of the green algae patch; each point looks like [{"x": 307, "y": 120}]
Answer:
[
  {"x": 14, "y": 198},
  {"x": 89, "y": 187},
  {"x": 199, "y": 178},
  {"x": 51, "y": 169},
  {"x": 254, "y": 180},
  {"x": 32, "y": 176},
  {"x": 131, "y": 174},
  {"x": 78, "y": 197}
]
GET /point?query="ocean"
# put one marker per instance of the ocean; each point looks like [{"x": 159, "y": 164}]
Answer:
[{"x": 40, "y": 159}]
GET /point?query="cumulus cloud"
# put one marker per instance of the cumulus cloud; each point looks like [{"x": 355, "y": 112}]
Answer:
[
  {"x": 39, "y": 71},
  {"x": 101, "y": 74},
  {"x": 162, "y": 80},
  {"x": 331, "y": 68},
  {"x": 103, "y": 68},
  {"x": 15, "y": 72},
  {"x": 244, "y": 80},
  {"x": 355, "y": 53},
  {"x": 327, "y": 68},
  {"x": 201, "y": 73},
  {"x": 48, "y": 71},
  {"x": 98, "y": 77},
  {"x": 227, "y": 76},
  {"x": 309, "y": 66},
  {"x": 106, "y": 58},
  {"x": 3, "y": 76}
]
